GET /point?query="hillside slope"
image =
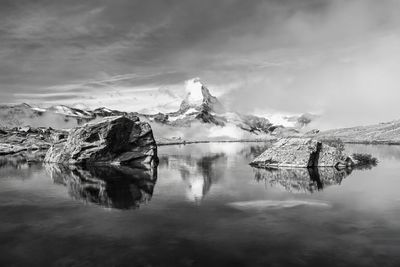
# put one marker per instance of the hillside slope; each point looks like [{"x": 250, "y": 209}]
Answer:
[{"x": 385, "y": 133}]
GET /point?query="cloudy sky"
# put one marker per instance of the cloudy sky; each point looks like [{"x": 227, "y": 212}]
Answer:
[{"x": 338, "y": 58}]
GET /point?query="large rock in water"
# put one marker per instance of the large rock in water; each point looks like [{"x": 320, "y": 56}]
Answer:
[
  {"x": 113, "y": 140},
  {"x": 293, "y": 152}
]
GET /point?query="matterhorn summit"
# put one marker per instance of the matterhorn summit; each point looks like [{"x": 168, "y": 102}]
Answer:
[
  {"x": 199, "y": 105},
  {"x": 194, "y": 94},
  {"x": 198, "y": 97}
]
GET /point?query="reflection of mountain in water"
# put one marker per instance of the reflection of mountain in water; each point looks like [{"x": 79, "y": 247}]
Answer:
[
  {"x": 251, "y": 152},
  {"x": 119, "y": 187},
  {"x": 198, "y": 173},
  {"x": 301, "y": 180}
]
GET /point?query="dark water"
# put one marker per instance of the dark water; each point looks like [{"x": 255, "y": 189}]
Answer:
[{"x": 203, "y": 206}]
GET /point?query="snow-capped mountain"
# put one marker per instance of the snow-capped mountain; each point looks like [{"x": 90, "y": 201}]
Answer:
[
  {"x": 199, "y": 98},
  {"x": 58, "y": 116},
  {"x": 200, "y": 105},
  {"x": 199, "y": 108}
]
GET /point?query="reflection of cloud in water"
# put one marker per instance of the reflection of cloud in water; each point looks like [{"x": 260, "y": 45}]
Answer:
[
  {"x": 276, "y": 204},
  {"x": 197, "y": 173},
  {"x": 301, "y": 180},
  {"x": 118, "y": 187}
]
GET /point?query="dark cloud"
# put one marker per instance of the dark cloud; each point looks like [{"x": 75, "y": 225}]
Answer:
[{"x": 284, "y": 55}]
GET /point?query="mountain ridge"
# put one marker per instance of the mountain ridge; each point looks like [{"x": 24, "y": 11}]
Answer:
[{"x": 199, "y": 106}]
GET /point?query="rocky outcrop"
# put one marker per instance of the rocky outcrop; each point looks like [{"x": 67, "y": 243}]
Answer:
[
  {"x": 113, "y": 140},
  {"x": 118, "y": 187},
  {"x": 160, "y": 117},
  {"x": 305, "y": 153},
  {"x": 106, "y": 112},
  {"x": 28, "y": 140},
  {"x": 255, "y": 124}
]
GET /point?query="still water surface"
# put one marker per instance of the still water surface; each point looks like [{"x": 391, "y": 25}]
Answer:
[{"x": 203, "y": 206}]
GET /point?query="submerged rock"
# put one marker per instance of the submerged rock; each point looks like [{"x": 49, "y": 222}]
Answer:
[
  {"x": 113, "y": 140},
  {"x": 305, "y": 153}
]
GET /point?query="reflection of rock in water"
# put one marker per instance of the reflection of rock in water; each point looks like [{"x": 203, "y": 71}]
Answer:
[
  {"x": 118, "y": 187},
  {"x": 301, "y": 180},
  {"x": 250, "y": 152}
]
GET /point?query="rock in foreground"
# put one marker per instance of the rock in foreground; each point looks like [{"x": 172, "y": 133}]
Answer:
[
  {"x": 303, "y": 153},
  {"x": 113, "y": 140}
]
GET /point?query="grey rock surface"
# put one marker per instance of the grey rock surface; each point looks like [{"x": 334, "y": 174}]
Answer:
[
  {"x": 113, "y": 140},
  {"x": 294, "y": 152},
  {"x": 28, "y": 139}
]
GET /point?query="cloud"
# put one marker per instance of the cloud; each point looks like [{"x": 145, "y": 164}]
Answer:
[{"x": 287, "y": 56}]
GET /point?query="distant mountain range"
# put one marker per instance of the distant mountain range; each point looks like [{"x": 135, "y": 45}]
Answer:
[
  {"x": 198, "y": 107},
  {"x": 59, "y": 116}
]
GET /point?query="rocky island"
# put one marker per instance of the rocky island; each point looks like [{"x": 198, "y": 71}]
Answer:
[
  {"x": 113, "y": 140},
  {"x": 302, "y": 153},
  {"x": 117, "y": 140}
]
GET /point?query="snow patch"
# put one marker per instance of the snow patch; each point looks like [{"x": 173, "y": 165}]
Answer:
[
  {"x": 194, "y": 91},
  {"x": 39, "y": 109},
  {"x": 182, "y": 116}
]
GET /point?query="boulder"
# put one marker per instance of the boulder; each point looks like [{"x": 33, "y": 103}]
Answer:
[
  {"x": 282, "y": 131},
  {"x": 312, "y": 132},
  {"x": 255, "y": 124},
  {"x": 160, "y": 117},
  {"x": 113, "y": 140},
  {"x": 303, "y": 153}
]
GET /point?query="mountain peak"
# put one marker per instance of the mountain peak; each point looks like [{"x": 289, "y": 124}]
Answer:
[
  {"x": 199, "y": 97},
  {"x": 194, "y": 92}
]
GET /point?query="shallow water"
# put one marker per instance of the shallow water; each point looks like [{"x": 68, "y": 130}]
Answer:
[{"x": 203, "y": 206}]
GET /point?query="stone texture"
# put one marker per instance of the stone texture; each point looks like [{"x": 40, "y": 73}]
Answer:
[
  {"x": 113, "y": 140},
  {"x": 28, "y": 139},
  {"x": 293, "y": 152}
]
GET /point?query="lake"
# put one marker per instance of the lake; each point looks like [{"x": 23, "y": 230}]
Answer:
[{"x": 203, "y": 206}]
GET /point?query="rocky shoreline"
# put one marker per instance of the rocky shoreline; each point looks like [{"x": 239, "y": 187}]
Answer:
[
  {"x": 29, "y": 141},
  {"x": 113, "y": 140}
]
